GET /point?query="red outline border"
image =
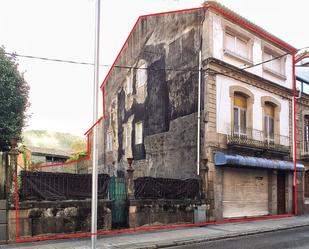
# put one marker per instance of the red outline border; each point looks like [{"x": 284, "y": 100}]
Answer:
[{"x": 241, "y": 22}]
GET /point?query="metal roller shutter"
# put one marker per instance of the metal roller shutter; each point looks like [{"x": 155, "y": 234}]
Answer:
[{"x": 245, "y": 192}]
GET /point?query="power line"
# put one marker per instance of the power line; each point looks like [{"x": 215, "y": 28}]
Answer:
[{"x": 132, "y": 67}]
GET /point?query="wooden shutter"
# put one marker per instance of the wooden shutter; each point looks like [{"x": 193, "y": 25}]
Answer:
[
  {"x": 240, "y": 101},
  {"x": 269, "y": 110}
]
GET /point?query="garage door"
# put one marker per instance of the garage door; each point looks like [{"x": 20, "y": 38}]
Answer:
[{"x": 245, "y": 192}]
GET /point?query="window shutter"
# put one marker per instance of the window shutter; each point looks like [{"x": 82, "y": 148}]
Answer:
[
  {"x": 230, "y": 42},
  {"x": 242, "y": 47},
  {"x": 240, "y": 101},
  {"x": 269, "y": 110}
]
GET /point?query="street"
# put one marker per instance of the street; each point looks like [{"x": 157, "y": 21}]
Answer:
[{"x": 297, "y": 238}]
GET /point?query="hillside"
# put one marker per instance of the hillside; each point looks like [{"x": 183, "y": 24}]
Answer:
[{"x": 55, "y": 140}]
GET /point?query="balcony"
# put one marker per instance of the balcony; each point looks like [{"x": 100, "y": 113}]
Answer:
[
  {"x": 257, "y": 140},
  {"x": 305, "y": 151}
]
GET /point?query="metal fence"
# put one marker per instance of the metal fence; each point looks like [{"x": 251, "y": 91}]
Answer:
[
  {"x": 166, "y": 188},
  {"x": 257, "y": 138},
  {"x": 59, "y": 186}
]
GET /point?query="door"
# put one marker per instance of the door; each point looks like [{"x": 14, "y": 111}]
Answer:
[
  {"x": 281, "y": 192},
  {"x": 245, "y": 192},
  {"x": 118, "y": 196}
]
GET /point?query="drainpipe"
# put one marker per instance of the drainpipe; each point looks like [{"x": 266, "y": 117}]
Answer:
[
  {"x": 198, "y": 159},
  {"x": 294, "y": 135},
  {"x": 199, "y": 111}
]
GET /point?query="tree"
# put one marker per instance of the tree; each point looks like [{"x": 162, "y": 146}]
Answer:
[{"x": 14, "y": 92}]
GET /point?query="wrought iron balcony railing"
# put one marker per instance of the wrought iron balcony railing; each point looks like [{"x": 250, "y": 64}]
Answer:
[{"x": 252, "y": 138}]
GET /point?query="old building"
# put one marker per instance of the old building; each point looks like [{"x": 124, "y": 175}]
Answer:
[
  {"x": 302, "y": 136},
  {"x": 151, "y": 101},
  {"x": 31, "y": 156}
]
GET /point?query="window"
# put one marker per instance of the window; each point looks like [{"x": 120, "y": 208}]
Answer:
[
  {"x": 240, "y": 114},
  {"x": 139, "y": 133},
  {"x": 269, "y": 125},
  {"x": 274, "y": 65},
  {"x": 126, "y": 136},
  {"x": 129, "y": 84},
  {"x": 306, "y": 133},
  {"x": 237, "y": 45},
  {"x": 109, "y": 141},
  {"x": 141, "y": 75}
]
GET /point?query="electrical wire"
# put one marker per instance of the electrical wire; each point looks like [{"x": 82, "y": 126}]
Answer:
[{"x": 132, "y": 67}]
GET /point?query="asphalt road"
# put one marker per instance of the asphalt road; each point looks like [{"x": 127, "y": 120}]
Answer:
[{"x": 293, "y": 238}]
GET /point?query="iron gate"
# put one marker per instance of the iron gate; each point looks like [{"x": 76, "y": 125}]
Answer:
[{"x": 118, "y": 195}]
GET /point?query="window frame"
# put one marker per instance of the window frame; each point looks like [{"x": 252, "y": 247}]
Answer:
[
  {"x": 239, "y": 130},
  {"x": 245, "y": 92},
  {"x": 242, "y": 36},
  {"x": 267, "y": 124},
  {"x": 266, "y": 49}
]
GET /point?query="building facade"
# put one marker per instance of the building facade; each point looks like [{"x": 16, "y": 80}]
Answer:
[
  {"x": 245, "y": 143},
  {"x": 302, "y": 138}
]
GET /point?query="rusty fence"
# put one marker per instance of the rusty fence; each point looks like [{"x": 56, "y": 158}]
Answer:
[{"x": 59, "y": 186}]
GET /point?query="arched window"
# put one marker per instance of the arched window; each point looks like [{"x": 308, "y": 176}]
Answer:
[
  {"x": 242, "y": 101},
  {"x": 269, "y": 122},
  {"x": 240, "y": 114}
]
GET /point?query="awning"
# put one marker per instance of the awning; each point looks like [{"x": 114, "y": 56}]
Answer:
[{"x": 222, "y": 159}]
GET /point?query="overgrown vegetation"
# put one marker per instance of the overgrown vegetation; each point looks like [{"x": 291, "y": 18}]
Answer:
[
  {"x": 14, "y": 92},
  {"x": 78, "y": 156}
]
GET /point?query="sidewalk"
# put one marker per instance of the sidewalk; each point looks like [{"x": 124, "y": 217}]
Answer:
[{"x": 164, "y": 238}]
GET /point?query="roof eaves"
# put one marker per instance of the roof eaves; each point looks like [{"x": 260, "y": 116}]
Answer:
[{"x": 245, "y": 22}]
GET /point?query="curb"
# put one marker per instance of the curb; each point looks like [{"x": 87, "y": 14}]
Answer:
[{"x": 201, "y": 240}]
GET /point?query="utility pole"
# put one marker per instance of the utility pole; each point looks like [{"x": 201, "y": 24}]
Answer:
[{"x": 94, "y": 200}]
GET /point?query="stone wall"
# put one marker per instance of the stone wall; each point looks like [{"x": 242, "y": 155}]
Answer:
[
  {"x": 47, "y": 218},
  {"x": 149, "y": 213},
  {"x": 171, "y": 154}
]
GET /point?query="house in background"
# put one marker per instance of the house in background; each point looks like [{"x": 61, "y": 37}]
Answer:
[
  {"x": 245, "y": 141},
  {"x": 38, "y": 156}
]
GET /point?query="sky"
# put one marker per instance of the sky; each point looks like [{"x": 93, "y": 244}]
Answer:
[{"x": 61, "y": 93}]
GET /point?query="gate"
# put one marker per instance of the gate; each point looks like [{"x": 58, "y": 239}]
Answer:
[{"x": 118, "y": 195}]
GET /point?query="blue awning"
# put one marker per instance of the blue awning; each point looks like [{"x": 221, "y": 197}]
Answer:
[{"x": 222, "y": 159}]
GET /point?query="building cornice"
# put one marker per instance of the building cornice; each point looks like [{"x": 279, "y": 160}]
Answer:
[{"x": 223, "y": 68}]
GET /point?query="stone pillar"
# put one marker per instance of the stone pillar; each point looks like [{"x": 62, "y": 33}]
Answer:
[
  {"x": 130, "y": 187},
  {"x": 204, "y": 178},
  {"x": 11, "y": 174}
]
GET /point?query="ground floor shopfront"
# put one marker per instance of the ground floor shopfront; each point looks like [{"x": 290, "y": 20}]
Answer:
[{"x": 252, "y": 187}]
